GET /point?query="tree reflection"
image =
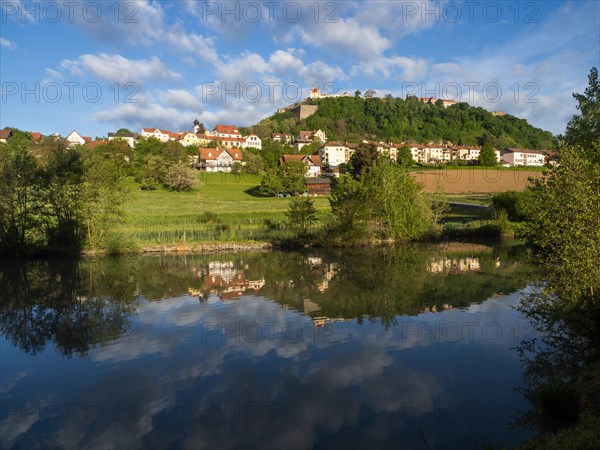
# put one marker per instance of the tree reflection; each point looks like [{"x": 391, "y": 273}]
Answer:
[
  {"x": 77, "y": 304},
  {"x": 58, "y": 302}
]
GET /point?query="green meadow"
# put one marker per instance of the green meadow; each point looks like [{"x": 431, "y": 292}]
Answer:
[
  {"x": 226, "y": 208},
  {"x": 221, "y": 207}
]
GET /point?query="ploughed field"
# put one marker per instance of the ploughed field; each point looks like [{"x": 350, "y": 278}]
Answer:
[{"x": 472, "y": 180}]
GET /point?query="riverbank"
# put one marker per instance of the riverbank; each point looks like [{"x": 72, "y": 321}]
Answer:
[{"x": 224, "y": 209}]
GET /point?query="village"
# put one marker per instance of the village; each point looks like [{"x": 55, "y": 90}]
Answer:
[{"x": 219, "y": 149}]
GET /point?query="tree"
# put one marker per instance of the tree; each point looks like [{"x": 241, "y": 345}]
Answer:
[
  {"x": 21, "y": 196},
  {"x": 292, "y": 174},
  {"x": 405, "y": 157},
  {"x": 124, "y": 131},
  {"x": 385, "y": 203},
  {"x": 173, "y": 152},
  {"x": 270, "y": 183},
  {"x": 564, "y": 209},
  {"x": 255, "y": 164},
  {"x": 363, "y": 159},
  {"x": 180, "y": 177},
  {"x": 584, "y": 129},
  {"x": 63, "y": 172},
  {"x": 104, "y": 195},
  {"x": 301, "y": 215},
  {"x": 487, "y": 156}
]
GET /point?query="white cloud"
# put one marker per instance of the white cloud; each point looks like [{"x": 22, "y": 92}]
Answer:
[
  {"x": 144, "y": 114},
  {"x": 5, "y": 43},
  {"x": 180, "y": 99},
  {"x": 398, "y": 67},
  {"x": 347, "y": 37},
  {"x": 120, "y": 69}
]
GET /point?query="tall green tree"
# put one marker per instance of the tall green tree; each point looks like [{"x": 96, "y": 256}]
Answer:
[
  {"x": 301, "y": 215},
  {"x": 487, "y": 156},
  {"x": 362, "y": 160},
  {"x": 21, "y": 197},
  {"x": 584, "y": 129},
  {"x": 405, "y": 157},
  {"x": 385, "y": 203},
  {"x": 63, "y": 174}
]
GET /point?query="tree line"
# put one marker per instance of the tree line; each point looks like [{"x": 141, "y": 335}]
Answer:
[{"x": 352, "y": 119}]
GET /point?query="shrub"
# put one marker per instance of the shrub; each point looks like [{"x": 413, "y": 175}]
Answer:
[{"x": 513, "y": 203}]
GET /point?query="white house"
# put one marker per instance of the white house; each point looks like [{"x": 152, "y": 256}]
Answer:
[
  {"x": 523, "y": 157},
  {"x": 227, "y": 131},
  {"x": 253, "y": 141},
  {"x": 74, "y": 138},
  {"x": 334, "y": 154},
  {"x": 218, "y": 159},
  {"x": 313, "y": 163},
  {"x": 127, "y": 137},
  {"x": 161, "y": 135}
]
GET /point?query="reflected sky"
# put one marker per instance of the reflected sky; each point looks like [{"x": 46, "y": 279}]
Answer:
[{"x": 199, "y": 371}]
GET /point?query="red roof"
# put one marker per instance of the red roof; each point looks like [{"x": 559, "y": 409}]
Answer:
[
  {"x": 315, "y": 159},
  {"x": 35, "y": 135},
  {"x": 226, "y": 129},
  {"x": 5, "y": 134},
  {"x": 94, "y": 144},
  {"x": 207, "y": 154}
]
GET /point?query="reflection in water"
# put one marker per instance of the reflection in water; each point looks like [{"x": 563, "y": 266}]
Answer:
[{"x": 318, "y": 349}]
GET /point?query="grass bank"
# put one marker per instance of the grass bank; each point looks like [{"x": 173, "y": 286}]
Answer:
[
  {"x": 220, "y": 207},
  {"x": 225, "y": 209}
]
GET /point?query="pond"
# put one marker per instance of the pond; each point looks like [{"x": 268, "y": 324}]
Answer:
[{"x": 409, "y": 346}]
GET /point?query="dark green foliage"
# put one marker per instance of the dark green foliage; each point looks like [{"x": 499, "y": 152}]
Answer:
[
  {"x": 385, "y": 203},
  {"x": 487, "y": 156},
  {"x": 584, "y": 129},
  {"x": 301, "y": 215},
  {"x": 513, "y": 203},
  {"x": 405, "y": 156},
  {"x": 288, "y": 177},
  {"x": 271, "y": 183},
  {"x": 394, "y": 119},
  {"x": 362, "y": 160},
  {"x": 56, "y": 197}
]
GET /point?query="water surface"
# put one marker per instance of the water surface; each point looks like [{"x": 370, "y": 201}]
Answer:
[{"x": 404, "y": 347}]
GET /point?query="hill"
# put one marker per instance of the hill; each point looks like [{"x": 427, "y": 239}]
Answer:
[{"x": 394, "y": 119}]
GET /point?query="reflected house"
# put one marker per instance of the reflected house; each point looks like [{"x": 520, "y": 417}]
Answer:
[
  {"x": 326, "y": 270},
  {"x": 454, "y": 265},
  {"x": 221, "y": 278}
]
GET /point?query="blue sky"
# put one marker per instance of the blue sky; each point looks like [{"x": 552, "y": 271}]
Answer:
[{"x": 99, "y": 66}]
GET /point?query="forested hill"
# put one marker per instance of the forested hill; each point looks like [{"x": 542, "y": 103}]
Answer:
[{"x": 394, "y": 119}]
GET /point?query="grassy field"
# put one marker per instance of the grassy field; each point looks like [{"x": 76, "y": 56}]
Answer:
[
  {"x": 220, "y": 207},
  {"x": 225, "y": 207}
]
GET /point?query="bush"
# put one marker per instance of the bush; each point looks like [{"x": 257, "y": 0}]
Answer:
[
  {"x": 209, "y": 217},
  {"x": 513, "y": 203}
]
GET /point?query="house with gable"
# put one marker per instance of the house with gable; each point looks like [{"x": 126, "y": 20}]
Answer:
[
  {"x": 74, "y": 138},
  {"x": 130, "y": 138},
  {"x": 313, "y": 163},
  {"x": 5, "y": 135},
  {"x": 161, "y": 135},
  {"x": 218, "y": 159},
  {"x": 253, "y": 141},
  {"x": 226, "y": 131},
  {"x": 308, "y": 137}
]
